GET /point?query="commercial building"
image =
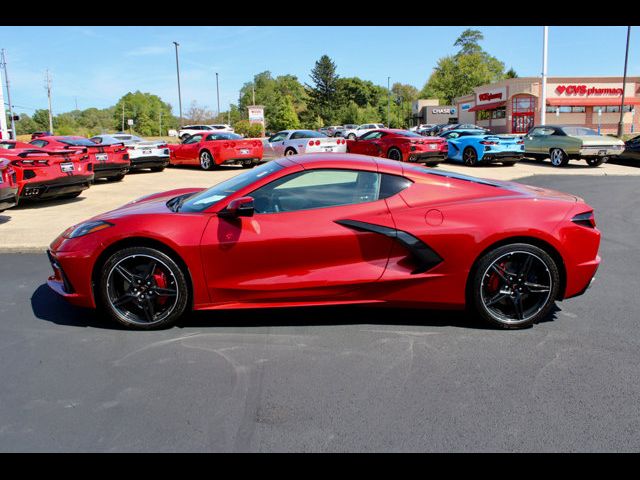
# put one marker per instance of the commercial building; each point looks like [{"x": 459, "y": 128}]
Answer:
[
  {"x": 430, "y": 111},
  {"x": 513, "y": 105}
]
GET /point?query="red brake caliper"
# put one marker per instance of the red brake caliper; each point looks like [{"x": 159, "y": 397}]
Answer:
[{"x": 161, "y": 281}]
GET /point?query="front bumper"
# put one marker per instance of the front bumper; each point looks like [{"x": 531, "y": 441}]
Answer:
[
  {"x": 106, "y": 170},
  {"x": 71, "y": 277},
  {"x": 8, "y": 198},
  {"x": 138, "y": 163},
  {"x": 57, "y": 187},
  {"x": 604, "y": 151}
]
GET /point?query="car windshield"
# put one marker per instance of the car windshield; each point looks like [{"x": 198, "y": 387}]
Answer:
[
  {"x": 308, "y": 134},
  {"x": 579, "y": 131},
  {"x": 77, "y": 142},
  {"x": 218, "y": 192}
]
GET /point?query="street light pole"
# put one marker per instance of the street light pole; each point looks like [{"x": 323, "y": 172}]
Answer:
[
  {"x": 178, "y": 73},
  {"x": 543, "y": 97},
  {"x": 624, "y": 85},
  {"x": 48, "y": 87},
  {"x": 218, "y": 94},
  {"x": 6, "y": 77}
]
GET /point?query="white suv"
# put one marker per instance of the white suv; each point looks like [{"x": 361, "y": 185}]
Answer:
[
  {"x": 351, "y": 134},
  {"x": 188, "y": 130}
]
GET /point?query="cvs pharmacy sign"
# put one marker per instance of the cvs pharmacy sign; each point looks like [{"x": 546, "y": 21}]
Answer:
[{"x": 587, "y": 90}]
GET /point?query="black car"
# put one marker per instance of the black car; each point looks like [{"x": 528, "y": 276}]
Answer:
[{"x": 631, "y": 149}]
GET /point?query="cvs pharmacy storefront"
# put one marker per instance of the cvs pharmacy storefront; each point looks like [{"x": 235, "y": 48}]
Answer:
[{"x": 513, "y": 105}]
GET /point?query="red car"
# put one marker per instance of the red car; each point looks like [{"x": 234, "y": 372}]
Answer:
[
  {"x": 44, "y": 174},
  {"x": 109, "y": 161},
  {"x": 332, "y": 229},
  {"x": 400, "y": 145},
  {"x": 8, "y": 185},
  {"x": 212, "y": 149}
]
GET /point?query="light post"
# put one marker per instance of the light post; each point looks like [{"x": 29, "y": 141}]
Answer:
[
  {"x": 178, "y": 73},
  {"x": 599, "y": 119},
  {"x": 624, "y": 85},
  {"x": 543, "y": 96},
  {"x": 218, "y": 93},
  {"x": 6, "y": 78},
  {"x": 388, "y": 100}
]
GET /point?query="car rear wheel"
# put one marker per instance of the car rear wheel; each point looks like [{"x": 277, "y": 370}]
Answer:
[
  {"x": 156, "y": 169},
  {"x": 558, "y": 157},
  {"x": 508, "y": 164},
  {"x": 470, "y": 157},
  {"x": 597, "y": 161},
  {"x": 143, "y": 288},
  {"x": 515, "y": 286},
  {"x": 206, "y": 160},
  {"x": 394, "y": 154},
  {"x": 116, "y": 178}
]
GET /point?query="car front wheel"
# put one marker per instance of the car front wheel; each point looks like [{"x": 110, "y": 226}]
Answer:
[
  {"x": 515, "y": 286},
  {"x": 143, "y": 288}
]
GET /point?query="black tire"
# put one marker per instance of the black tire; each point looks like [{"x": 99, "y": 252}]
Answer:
[
  {"x": 131, "y": 277},
  {"x": 248, "y": 165},
  {"x": 508, "y": 164},
  {"x": 503, "y": 279},
  {"x": 470, "y": 157},
  {"x": 558, "y": 157},
  {"x": 351, "y": 136},
  {"x": 157, "y": 169},
  {"x": 596, "y": 161},
  {"x": 206, "y": 160},
  {"x": 394, "y": 154},
  {"x": 116, "y": 178},
  {"x": 290, "y": 151}
]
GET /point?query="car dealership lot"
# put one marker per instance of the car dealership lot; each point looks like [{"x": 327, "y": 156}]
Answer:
[
  {"x": 31, "y": 227},
  {"x": 330, "y": 379}
]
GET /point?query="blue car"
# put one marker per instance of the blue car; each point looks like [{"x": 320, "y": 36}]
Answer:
[{"x": 473, "y": 147}]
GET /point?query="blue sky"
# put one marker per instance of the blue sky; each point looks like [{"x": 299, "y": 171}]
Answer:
[{"x": 97, "y": 65}]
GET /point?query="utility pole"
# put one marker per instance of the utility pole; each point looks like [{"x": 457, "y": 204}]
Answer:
[
  {"x": 253, "y": 90},
  {"x": 3, "y": 115},
  {"x": 6, "y": 77},
  {"x": 543, "y": 97},
  {"x": 388, "y": 100},
  {"x": 624, "y": 85},
  {"x": 76, "y": 99},
  {"x": 160, "y": 122},
  {"x": 122, "y": 129},
  {"x": 218, "y": 93},
  {"x": 178, "y": 72},
  {"x": 48, "y": 87}
]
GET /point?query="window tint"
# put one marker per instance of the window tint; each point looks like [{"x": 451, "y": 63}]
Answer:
[
  {"x": 579, "y": 131},
  {"x": 307, "y": 134},
  {"x": 39, "y": 143},
  {"x": 392, "y": 184},
  {"x": 372, "y": 135},
  {"x": 76, "y": 142},
  {"x": 278, "y": 137},
  {"x": 317, "y": 189},
  {"x": 224, "y": 136}
]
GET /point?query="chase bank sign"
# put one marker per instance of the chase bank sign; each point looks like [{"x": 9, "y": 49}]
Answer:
[{"x": 443, "y": 111}]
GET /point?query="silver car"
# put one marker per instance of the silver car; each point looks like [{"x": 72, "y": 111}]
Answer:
[
  {"x": 143, "y": 154},
  {"x": 293, "y": 142}
]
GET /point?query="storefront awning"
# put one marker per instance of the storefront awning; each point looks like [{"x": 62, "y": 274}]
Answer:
[
  {"x": 487, "y": 106},
  {"x": 590, "y": 102}
]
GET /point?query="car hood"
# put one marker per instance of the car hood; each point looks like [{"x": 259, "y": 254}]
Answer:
[{"x": 155, "y": 203}]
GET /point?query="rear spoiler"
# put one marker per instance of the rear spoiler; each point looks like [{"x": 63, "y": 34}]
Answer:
[{"x": 35, "y": 151}]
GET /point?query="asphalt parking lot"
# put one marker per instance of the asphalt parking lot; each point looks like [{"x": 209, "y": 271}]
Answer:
[{"x": 333, "y": 379}]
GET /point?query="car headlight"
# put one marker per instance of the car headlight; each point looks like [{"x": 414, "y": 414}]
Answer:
[{"x": 86, "y": 228}]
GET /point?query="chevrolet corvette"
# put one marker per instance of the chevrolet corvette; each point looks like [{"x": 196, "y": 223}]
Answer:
[
  {"x": 474, "y": 147},
  {"x": 219, "y": 148},
  {"x": 109, "y": 161},
  {"x": 332, "y": 229},
  {"x": 8, "y": 186},
  {"x": 400, "y": 145}
]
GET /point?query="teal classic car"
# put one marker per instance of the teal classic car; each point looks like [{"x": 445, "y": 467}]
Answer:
[{"x": 564, "y": 143}]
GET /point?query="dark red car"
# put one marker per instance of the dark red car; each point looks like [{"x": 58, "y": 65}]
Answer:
[
  {"x": 8, "y": 185},
  {"x": 43, "y": 174},
  {"x": 400, "y": 145},
  {"x": 109, "y": 161},
  {"x": 332, "y": 229},
  {"x": 212, "y": 149}
]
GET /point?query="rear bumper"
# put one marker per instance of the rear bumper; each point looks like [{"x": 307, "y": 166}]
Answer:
[
  {"x": 240, "y": 161},
  {"x": 502, "y": 156},
  {"x": 105, "y": 170},
  {"x": 584, "y": 275},
  {"x": 149, "y": 162},
  {"x": 8, "y": 198},
  {"x": 427, "y": 157},
  {"x": 600, "y": 151},
  {"x": 54, "y": 188}
]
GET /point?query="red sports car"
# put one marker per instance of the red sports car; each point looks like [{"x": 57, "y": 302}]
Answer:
[
  {"x": 212, "y": 149},
  {"x": 43, "y": 174},
  {"x": 8, "y": 185},
  {"x": 332, "y": 229},
  {"x": 109, "y": 161},
  {"x": 400, "y": 145}
]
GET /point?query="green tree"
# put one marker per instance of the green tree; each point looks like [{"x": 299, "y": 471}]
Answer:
[
  {"x": 511, "y": 73},
  {"x": 145, "y": 109},
  {"x": 323, "y": 92},
  {"x": 457, "y": 75},
  {"x": 284, "y": 115}
]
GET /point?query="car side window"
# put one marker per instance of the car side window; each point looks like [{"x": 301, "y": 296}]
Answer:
[
  {"x": 371, "y": 136},
  {"x": 278, "y": 137},
  {"x": 314, "y": 189},
  {"x": 193, "y": 139},
  {"x": 39, "y": 143}
]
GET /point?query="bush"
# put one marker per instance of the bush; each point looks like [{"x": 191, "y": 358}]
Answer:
[{"x": 243, "y": 127}]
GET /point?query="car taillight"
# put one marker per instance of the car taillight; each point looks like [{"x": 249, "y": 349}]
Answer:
[
  {"x": 233, "y": 144},
  {"x": 586, "y": 219},
  {"x": 317, "y": 142},
  {"x": 311, "y": 143},
  {"x": 486, "y": 142},
  {"x": 520, "y": 142},
  {"x": 225, "y": 144}
]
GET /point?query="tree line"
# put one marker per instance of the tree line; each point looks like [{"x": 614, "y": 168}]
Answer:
[{"x": 328, "y": 99}]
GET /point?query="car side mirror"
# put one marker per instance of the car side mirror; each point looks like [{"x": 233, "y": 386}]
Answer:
[{"x": 240, "y": 207}]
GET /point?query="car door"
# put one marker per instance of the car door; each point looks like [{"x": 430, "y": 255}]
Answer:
[
  {"x": 365, "y": 145},
  {"x": 632, "y": 149},
  {"x": 533, "y": 141},
  {"x": 274, "y": 146},
  {"x": 293, "y": 248},
  {"x": 189, "y": 149}
]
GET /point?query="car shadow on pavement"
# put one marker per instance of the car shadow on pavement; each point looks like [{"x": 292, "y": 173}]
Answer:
[
  {"x": 4, "y": 219},
  {"x": 47, "y": 305}
]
